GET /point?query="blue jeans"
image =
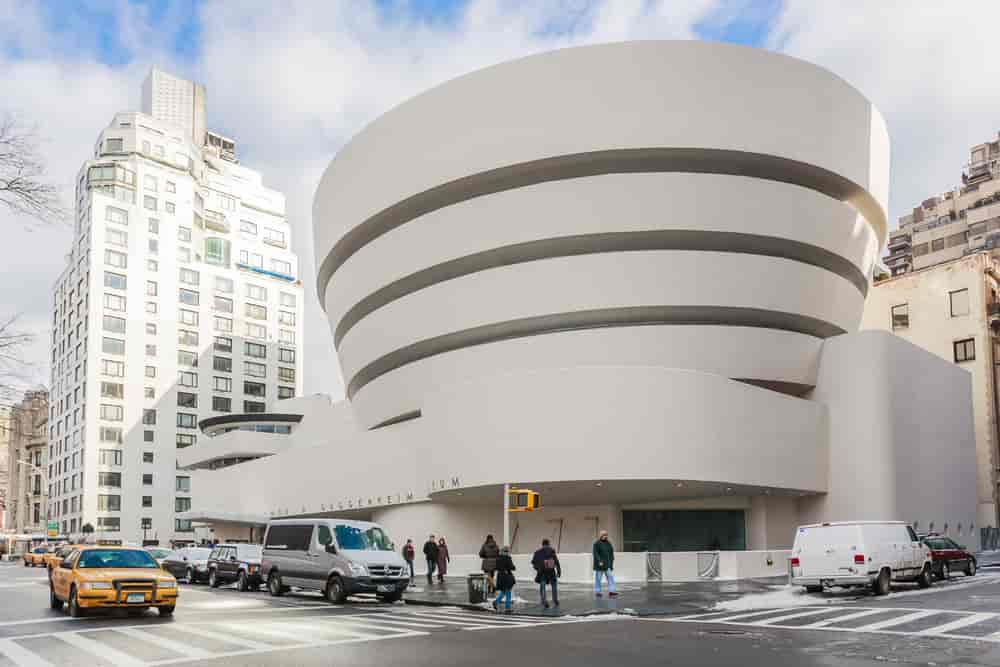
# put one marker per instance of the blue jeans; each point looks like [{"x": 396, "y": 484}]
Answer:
[
  {"x": 410, "y": 563},
  {"x": 505, "y": 595},
  {"x": 597, "y": 580},
  {"x": 555, "y": 590},
  {"x": 431, "y": 566}
]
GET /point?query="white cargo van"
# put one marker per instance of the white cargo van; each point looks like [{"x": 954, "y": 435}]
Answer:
[{"x": 859, "y": 553}]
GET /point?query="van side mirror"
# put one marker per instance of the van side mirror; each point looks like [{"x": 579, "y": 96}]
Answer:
[{"x": 331, "y": 548}]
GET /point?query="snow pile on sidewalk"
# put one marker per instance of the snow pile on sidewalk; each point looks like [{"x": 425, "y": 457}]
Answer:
[{"x": 781, "y": 596}]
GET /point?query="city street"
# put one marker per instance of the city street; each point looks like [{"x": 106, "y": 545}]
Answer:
[{"x": 956, "y": 622}]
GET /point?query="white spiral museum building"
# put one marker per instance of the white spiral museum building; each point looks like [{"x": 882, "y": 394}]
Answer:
[{"x": 628, "y": 276}]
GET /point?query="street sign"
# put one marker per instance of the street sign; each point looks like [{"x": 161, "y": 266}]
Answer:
[{"x": 52, "y": 528}]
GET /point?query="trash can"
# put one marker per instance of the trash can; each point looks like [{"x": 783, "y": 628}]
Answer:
[{"x": 477, "y": 588}]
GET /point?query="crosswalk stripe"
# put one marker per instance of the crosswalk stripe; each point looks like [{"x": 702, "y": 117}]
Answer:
[
  {"x": 463, "y": 617},
  {"x": 786, "y": 617},
  {"x": 332, "y": 626},
  {"x": 398, "y": 621},
  {"x": 371, "y": 626},
  {"x": 899, "y": 620},
  {"x": 846, "y": 617},
  {"x": 116, "y": 657},
  {"x": 22, "y": 656},
  {"x": 265, "y": 629},
  {"x": 163, "y": 642},
  {"x": 740, "y": 617},
  {"x": 215, "y": 636},
  {"x": 971, "y": 619}
]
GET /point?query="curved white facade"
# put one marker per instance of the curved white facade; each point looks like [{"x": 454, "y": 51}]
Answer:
[{"x": 684, "y": 194}]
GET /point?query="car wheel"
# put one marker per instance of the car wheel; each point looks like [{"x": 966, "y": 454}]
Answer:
[
  {"x": 213, "y": 580},
  {"x": 926, "y": 577},
  {"x": 335, "y": 591},
  {"x": 970, "y": 569},
  {"x": 166, "y": 611},
  {"x": 881, "y": 584},
  {"x": 274, "y": 585},
  {"x": 189, "y": 576},
  {"x": 814, "y": 589},
  {"x": 74, "y": 604},
  {"x": 945, "y": 571},
  {"x": 241, "y": 582},
  {"x": 54, "y": 602}
]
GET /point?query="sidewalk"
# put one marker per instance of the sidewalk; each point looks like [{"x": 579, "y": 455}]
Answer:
[{"x": 639, "y": 599}]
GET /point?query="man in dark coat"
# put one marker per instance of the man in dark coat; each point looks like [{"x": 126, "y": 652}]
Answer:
[
  {"x": 431, "y": 554},
  {"x": 546, "y": 564},
  {"x": 604, "y": 564},
  {"x": 408, "y": 555}
]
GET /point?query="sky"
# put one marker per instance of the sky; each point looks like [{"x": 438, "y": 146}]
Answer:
[{"x": 292, "y": 81}]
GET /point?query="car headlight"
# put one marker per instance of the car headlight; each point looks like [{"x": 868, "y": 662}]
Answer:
[
  {"x": 167, "y": 583},
  {"x": 358, "y": 569},
  {"x": 96, "y": 586}
]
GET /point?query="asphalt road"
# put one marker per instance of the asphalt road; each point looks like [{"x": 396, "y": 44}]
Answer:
[{"x": 951, "y": 624}]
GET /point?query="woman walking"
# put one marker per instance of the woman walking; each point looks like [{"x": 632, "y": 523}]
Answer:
[
  {"x": 505, "y": 579},
  {"x": 489, "y": 553},
  {"x": 443, "y": 558}
]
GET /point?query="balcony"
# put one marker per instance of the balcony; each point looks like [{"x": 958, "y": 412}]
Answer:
[
  {"x": 899, "y": 242},
  {"x": 216, "y": 221}
]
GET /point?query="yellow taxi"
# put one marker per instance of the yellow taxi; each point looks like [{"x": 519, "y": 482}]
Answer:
[
  {"x": 93, "y": 577},
  {"x": 52, "y": 559},
  {"x": 35, "y": 556}
]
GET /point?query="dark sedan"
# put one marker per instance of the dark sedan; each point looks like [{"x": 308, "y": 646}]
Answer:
[
  {"x": 189, "y": 564},
  {"x": 948, "y": 557}
]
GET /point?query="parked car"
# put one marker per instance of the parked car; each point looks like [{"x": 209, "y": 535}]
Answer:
[
  {"x": 189, "y": 564},
  {"x": 35, "y": 557},
  {"x": 948, "y": 557},
  {"x": 235, "y": 562},
  {"x": 859, "y": 553},
  {"x": 111, "y": 577},
  {"x": 159, "y": 554},
  {"x": 334, "y": 556}
]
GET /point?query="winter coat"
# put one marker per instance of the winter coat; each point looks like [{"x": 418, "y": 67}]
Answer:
[
  {"x": 408, "y": 553},
  {"x": 538, "y": 562},
  {"x": 489, "y": 553},
  {"x": 604, "y": 556},
  {"x": 505, "y": 573},
  {"x": 431, "y": 550},
  {"x": 443, "y": 559}
]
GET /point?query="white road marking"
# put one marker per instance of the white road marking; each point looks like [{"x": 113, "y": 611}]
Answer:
[
  {"x": 971, "y": 619},
  {"x": 848, "y": 617},
  {"x": 335, "y": 626},
  {"x": 22, "y": 656},
  {"x": 267, "y": 629},
  {"x": 163, "y": 642},
  {"x": 395, "y": 620},
  {"x": 899, "y": 620},
  {"x": 116, "y": 657},
  {"x": 799, "y": 614},
  {"x": 458, "y": 617},
  {"x": 215, "y": 636}
]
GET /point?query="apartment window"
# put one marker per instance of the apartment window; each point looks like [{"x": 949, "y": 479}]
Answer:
[
  {"x": 255, "y": 350},
  {"x": 189, "y": 317},
  {"x": 114, "y": 302},
  {"x": 112, "y": 346},
  {"x": 149, "y": 203},
  {"x": 185, "y": 337},
  {"x": 171, "y": 187},
  {"x": 256, "y": 331},
  {"x": 937, "y": 244},
  {"x": 184, "y": 234},
  {"x": 183, "y": 484},
  {"x": 169, "y": 207},
  {"x": 185, "y": 358},
  {"x": 223, "y": 344},
  {"x": 150, "y": 371},
  {"x": 286, "y": 355},
  {"x": 286, "y": 374},
  {"x": 256, "y": 292},
  {"x": 223, "y": 384},
  {"x": 959, "y": 300},
  {"x": 965, "y": 350},
  {"x": 111, "y": 434},
  {"x": 185, "y": 440},
  {"x": 151, "y": 307},
  {"x": 254, "y": 389},
  {"x": 184, "y": 255},
  {"x": 217, "y": 251},
  {"x": 183, "y": 526},
  {"x": 107, "y": 503},
  {"x": 112, "y": 413},
  {"x": 112, "y": 368},
  {"x": 223, "y": 324},
  {"x": 149, "y": 417},
  {"x": 108, "y": 523},
  {"x": 224, "y": 364},
  {"x": 150, "y": 350},
  {"x": 187, "y": 420},
  {"x": 150, "y": 183},
  {"x": 147, "y": 457},
  {"x": 286, "y": 392},
  {"x": 115, "y": 280},
  {"x": 116, "y": 215},
  {"x": 148, "y": 436},
  {"x": 224, "y": 285},
  {"x": 287, "y": 300},
  {"x": 254, "y": 370},
  {"x": 114, "y": 145},
  {"x": 110, "y": 457},
  {"x": 901, "y": 316},
  {"x": 152, "y": 265},
  {"x": 188, "y": 297},
  {"x": 151, "y": 288},
  {"x": 248, "y": 227},
  {"x": 222, "y": 404},
  {"x": 113, "y": 324},
  {"x": 150, "y": 328},
  {"x": 287, "y": 318},
  {"x": 147, "y": 479},
  {"x": 116, "y": 259},
  {"x": 116, "y": 237},
  {"x": 281, "y": 266},
  {"x": 222, "y": 304},
  {"x": 112, "y": 479},
  {"x": 112, "y": 390},
  {"x": 274, "y": 236},
  {"x": 154, "y": 226},
  {"x": 253, "y": 406},
  {"x": 154, "y": 247},
  {"x": 251, "y": 259},
  {"x": 186, "y": 400},
  {"x": 182, "y": 504},
  {"x": 286, "y": 336},
  {"x": 189, "y": 277}
]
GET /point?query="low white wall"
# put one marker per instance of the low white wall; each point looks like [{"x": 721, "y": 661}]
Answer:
[{"x": 753, "y": 564}]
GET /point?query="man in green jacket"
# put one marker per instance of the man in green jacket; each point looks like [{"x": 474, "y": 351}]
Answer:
[{"x": 604, "y": 564}]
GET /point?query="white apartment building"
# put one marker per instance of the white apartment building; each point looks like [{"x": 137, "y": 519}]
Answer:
[{"x": 180, "y": 301}]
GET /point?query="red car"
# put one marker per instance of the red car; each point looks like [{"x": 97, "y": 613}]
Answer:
[{"x": 948, "y": 557}]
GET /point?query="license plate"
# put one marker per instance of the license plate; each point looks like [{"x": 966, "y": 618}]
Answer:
[
  {"x": 135, "y": 597},
  {"x": 385, "y": 588}
]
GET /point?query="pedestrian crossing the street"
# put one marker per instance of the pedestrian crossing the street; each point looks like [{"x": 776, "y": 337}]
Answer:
[
  {"x": 130, "y": 644},
  {"x": 902, "y": 621}
]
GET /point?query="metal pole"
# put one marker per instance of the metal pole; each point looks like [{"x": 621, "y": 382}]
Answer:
[{"x": 506, "y": 515}]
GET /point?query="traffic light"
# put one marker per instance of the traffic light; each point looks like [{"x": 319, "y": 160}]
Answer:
[{"x": 523, "y": 500}]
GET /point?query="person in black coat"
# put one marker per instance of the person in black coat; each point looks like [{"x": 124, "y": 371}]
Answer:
[
  {"x": 504, "y": 579},
  {"x": 431, "y": 554},
  {"x": 546, "y": 564}
]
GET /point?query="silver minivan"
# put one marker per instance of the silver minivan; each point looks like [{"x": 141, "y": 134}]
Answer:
[{"x": 336, "y": 556}]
